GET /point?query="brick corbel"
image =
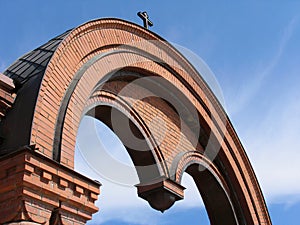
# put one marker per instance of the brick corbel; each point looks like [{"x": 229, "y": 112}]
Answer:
[{"x": 162, "y": 193}]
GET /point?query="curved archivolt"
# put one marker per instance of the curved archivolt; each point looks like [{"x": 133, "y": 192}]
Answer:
[{"x": 112, "y": 69}]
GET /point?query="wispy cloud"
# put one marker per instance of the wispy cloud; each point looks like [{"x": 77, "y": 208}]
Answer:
[
  {"x": 258, "y": 78},
  {"x": 274, "y": 156},
  {"x": 2, "y": 66},
  {"x": 274, "y": 149},
  {"x": 119, "y": 196},
  {"x": 129, "y": 207},
  {"x": 267, "y": 118},
  {"x": 272, "y": 138}
]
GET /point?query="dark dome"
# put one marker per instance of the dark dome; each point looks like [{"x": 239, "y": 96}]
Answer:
[{"x": 27, "y": 73}]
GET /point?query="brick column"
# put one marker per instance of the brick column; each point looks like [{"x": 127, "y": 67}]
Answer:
[{"x": 36, "y": 190}]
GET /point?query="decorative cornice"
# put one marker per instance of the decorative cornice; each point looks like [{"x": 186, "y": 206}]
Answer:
[{"x": 32, "y": 183}]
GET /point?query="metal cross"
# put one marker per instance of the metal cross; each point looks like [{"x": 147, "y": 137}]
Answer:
[{"x": 144, "y": 16}]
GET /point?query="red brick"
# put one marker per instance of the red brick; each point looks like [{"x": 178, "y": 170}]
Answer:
[
  {"x": 79, "y": 189},
  {"x": 81, "y": 45}
]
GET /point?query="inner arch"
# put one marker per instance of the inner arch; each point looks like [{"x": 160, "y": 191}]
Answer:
[
  {"x": 99, "y": 148},
  {"x": 141, "y": 154},
  {"x": 191, "y": 205},
  {"x": 215, "y": 197}
]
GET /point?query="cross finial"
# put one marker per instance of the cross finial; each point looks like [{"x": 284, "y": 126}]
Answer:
[{"x": 144, "y": 16}]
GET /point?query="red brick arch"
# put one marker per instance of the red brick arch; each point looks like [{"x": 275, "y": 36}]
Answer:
[{"x": 87, "y": 74}]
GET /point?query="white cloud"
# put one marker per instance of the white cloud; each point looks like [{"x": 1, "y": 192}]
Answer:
[
  {"x": 256, "y": 78},
  {"x": 274, "y": 149},
  {"x": 267, "y": 118},
  {"x": 2, "y": 66},
  {"x": 120, "y": 196}
]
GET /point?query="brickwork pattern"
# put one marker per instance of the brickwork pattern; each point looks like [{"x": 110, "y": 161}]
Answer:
[
  {"x": 31, "y": 186},
  {"x": 92, "y": 51}
]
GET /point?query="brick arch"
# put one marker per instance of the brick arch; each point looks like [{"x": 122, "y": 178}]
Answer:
[
  {"x": 212, "y": 186},
  {"x": 75, "y": 73},
  {"x": 147, "y": 158}
]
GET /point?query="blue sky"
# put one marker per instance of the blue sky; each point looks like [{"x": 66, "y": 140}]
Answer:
[{"x": 253, "y": 48}]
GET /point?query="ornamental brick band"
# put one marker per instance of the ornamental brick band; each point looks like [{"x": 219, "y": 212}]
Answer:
[
  {"x": 34, "y": 187},
  {"x": 117, "y": 71}
]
